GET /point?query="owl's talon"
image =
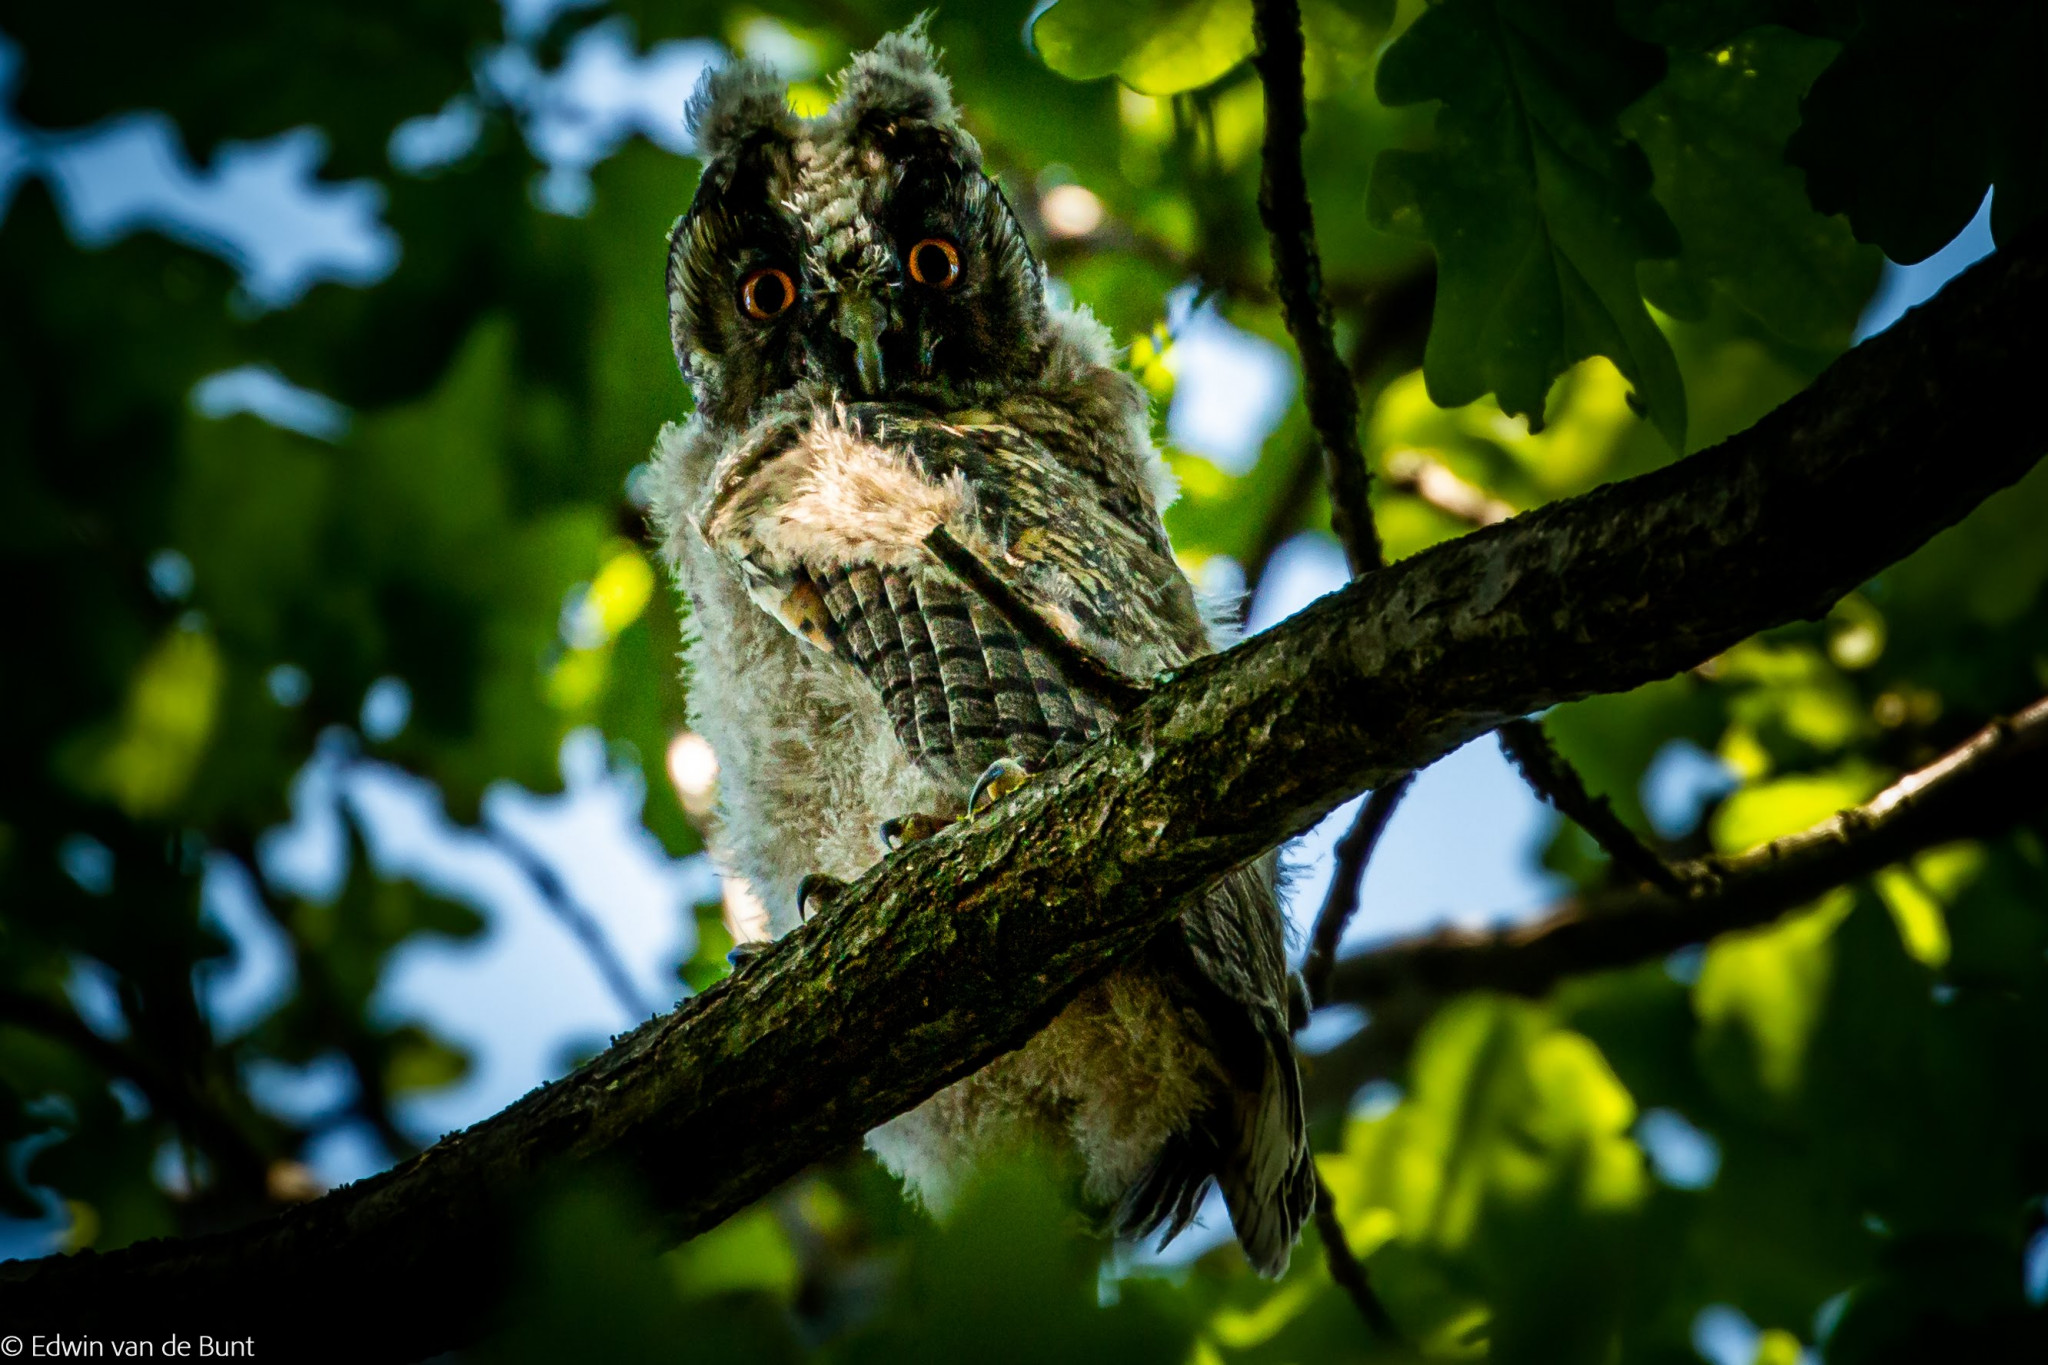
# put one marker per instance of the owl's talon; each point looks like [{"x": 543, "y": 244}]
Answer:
[
  {"x": 997, "y": 781},
  {"x": 910, "y": 829},
  {"x": 815, "y": 893},
  {"x": 745, "y": 955}
]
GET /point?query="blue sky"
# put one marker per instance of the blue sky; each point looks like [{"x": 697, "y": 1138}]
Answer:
[{"x": 525, "y": 997}]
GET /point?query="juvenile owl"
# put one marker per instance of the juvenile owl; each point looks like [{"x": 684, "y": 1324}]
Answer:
[{"x": 878, "y": 371}]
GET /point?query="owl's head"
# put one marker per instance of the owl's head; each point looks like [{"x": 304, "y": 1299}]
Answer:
[{"x": 864, "y": 253}]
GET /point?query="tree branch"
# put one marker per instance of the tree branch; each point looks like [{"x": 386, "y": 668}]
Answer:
[
  {"x": 1298, "y": 279},
  {"x": 1417, "y": 475},
  {"x": 1987, "y": 785},
  {"x": 581, "y": 924},
  {"x": 962, "y": 946},
  {"x": 1340, "y": 902},
  {"x": 1347, "y": 1270},
  {"x": 1554, "y": 779},
  {"x": 1390, "y": 327}
]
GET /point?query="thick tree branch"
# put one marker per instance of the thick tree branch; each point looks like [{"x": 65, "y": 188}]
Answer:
[
  {"x": 1992, "y": 782},
  {"x": 960, "y": 947}
]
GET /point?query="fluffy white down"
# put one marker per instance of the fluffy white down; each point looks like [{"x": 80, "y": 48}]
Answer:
[{"x": 809, "y": 768}]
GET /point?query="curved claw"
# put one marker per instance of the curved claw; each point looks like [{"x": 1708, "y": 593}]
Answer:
[
  {"x": 997, "y": 781},
  {"x": 910, "y": 829},
  {"x": 815, "y": 893},
  {"x": 745, "y": 955}
]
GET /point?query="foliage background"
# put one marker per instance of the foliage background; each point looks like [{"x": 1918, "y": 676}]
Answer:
[{"x": 334, "y": 340}]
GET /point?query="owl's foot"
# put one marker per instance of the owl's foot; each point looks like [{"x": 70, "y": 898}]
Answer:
[
  {"x": 997, "y": 781},
  {"x": 815, "y": 894},
  {"x": 745, "y": 955},
  {"x": 910, "y": 829}
]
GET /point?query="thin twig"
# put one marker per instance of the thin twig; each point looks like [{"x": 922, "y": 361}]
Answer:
[
  {"x": 1389, "y": 328},
  {"x": 1327, "y": 387},
  {"x": 1340, "y": 903},
  {"x": 581, "y": 924},
  {"x": 1080, "y": 665},
  {"x": 1418, "y": 475},
  {"x": 1559, "y": 783},
  {"x": 1347, "y": 1270},
  {"x": 1995, "y": 781}
]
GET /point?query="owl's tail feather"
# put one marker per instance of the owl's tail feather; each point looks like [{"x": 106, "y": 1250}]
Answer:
[
  {"x": 1256, "y": 1147},
  {"x": 1267, "y": 1174},
  {"x": 1170, "y": 1193}
]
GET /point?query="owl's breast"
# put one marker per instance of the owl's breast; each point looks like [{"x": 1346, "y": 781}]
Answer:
[{"x": 809, "y": 763}]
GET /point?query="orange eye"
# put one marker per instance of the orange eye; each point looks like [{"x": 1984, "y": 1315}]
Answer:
[
  {"x": 766, "y": 293},
  {"x": 936, "y": 262}
]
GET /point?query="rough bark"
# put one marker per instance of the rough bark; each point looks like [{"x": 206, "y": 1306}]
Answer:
[{"x": 960, "y": 947}]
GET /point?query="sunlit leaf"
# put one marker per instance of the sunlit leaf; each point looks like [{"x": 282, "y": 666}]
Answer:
[
  {"x": 148, "y": 761},
  {"x": 1759, "y": 999},
  {"x": 1770, "y": 810},
  {"x": 1159, "y": 47}
]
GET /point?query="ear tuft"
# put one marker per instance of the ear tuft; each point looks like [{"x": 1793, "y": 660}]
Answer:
[
  {"x": 737, "y": 104},
  {"x": 898, "y": 76}
]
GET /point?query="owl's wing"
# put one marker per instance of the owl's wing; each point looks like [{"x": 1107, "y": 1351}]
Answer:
[{"x": 829, "y": 522}]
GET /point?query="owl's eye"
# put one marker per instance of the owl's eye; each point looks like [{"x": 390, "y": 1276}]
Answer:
[
  {"x": 936, "y": 262},
  {"x": 766, "y": 293}
]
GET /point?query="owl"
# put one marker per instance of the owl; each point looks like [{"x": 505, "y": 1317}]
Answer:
[{"x": 880, "y": 375}]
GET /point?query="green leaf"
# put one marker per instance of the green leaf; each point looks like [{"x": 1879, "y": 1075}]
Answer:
[
  {"x": 1509, "y": 1165},
  {"x": 1759, "y": 999},
  {"x": 1926, "y": 109},
  {"x": 1159, "y": 47},
  {"x": 1715, "y": 133},
  {"x": 1771, "y": 810},
  {"x": 749, "y": 1252},
  {"x": 1538, "y": 207}
]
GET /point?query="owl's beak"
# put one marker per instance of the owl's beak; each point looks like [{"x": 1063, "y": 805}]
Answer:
[{"x": 863, "y": 317}]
